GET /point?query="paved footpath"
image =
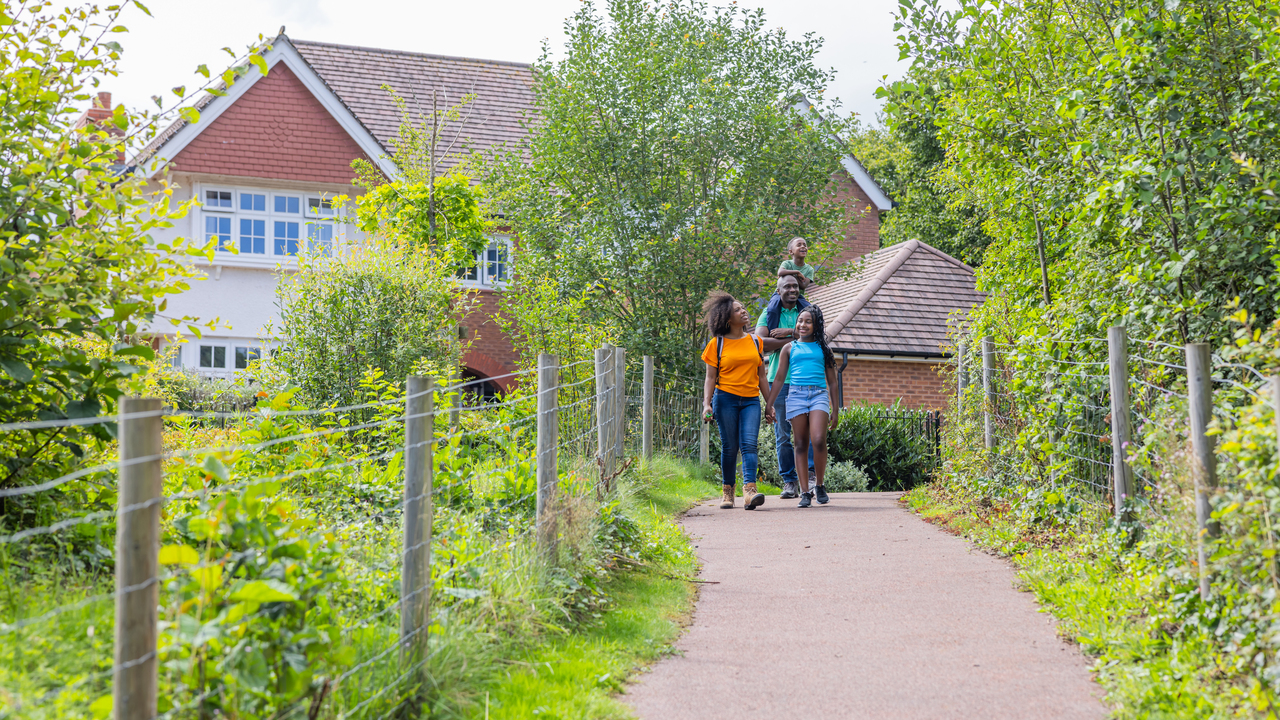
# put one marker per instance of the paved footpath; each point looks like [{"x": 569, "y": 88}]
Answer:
[{"x": 858, "y": 609}]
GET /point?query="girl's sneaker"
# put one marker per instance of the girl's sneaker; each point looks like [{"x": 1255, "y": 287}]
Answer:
[
  {"x": 806, "y": 499},
  {"x": 822, "y": 495}
]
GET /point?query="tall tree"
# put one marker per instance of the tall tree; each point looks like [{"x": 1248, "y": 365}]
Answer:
[{"x": 666, "y": 158}]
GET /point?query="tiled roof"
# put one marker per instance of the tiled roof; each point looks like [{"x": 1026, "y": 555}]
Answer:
[
  {"x": 503, "y": 91},
  {"x": 900, "y": 301}
]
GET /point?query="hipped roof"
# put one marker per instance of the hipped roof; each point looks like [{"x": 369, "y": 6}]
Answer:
[{"x": 900, "y": 302}]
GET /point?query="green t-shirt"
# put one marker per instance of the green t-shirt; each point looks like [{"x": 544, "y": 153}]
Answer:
[
  {"x": 786, "y": 319},
  {"x": 807, "y": 270}
]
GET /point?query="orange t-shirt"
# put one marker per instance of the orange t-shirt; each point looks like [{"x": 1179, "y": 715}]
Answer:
[{"x": 739, "y": 365}]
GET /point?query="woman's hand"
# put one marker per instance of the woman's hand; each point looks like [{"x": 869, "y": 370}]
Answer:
[
  {"x": 769, "y": 415},
  {"x": 834, "y": 420},
  {"x": 706, "y": 413}
]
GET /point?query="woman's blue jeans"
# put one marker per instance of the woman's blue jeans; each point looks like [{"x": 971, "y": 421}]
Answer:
[{"x": 739, "y": 421}]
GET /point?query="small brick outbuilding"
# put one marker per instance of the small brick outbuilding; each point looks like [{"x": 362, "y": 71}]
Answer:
[{"x": 888, "y": 324}]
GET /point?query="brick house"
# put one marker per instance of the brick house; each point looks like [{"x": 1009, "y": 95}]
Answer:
[
  {"x": 888, "y": 324},
  {"x": 265, "y": 157}
]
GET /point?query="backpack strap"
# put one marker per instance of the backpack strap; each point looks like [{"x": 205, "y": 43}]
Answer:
[{"x": 756, "y": 343}]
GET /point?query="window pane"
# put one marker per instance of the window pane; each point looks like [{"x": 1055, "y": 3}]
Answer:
[
  {"x": 320, "y": 237},
  {"x": 253, "y": 236},
  {"x": 219, "y": 227},
  {"x": 286, "y": 204},
  {"x": 471, "y": 273},
  {"x": 320, "y": 206},
  {"x": 177, "y": 358},
  {"x": 286, "y": 238},
  {"x": 217, "y": 199},
  {"x": 496, "y": 267},
  {"x": 219, "y": 356},
  {"x": 246, "y": 355},
  {"x": 206, "y": 356},
  {"x": 253, "y": 201}
]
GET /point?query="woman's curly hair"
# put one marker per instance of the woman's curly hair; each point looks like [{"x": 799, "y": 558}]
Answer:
[
  {"x": 820, "y": 334},
  {"x": 717, "y": 309}
]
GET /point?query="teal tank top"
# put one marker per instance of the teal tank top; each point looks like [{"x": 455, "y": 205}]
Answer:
[{"x": 807, "y": 366}]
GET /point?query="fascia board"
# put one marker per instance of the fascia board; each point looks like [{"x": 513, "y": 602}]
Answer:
[{"x": 854, "y": 168}]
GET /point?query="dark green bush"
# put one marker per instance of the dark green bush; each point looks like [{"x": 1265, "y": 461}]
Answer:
[{"x": 895, "y": 446}]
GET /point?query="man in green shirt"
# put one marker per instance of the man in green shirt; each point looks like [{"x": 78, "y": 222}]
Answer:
[{"x": 775, "y": 332}]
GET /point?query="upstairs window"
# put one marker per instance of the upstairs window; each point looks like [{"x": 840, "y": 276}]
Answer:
[
  {"x": 253, "y": 202},
  {"x": 286, "y": 237},
  {"x": 491, "y": 267},
  {"x": 217, "y": 200},
  {"x": 264, "y": 224},
  {"x": 253, "y": 236},
  {"x": 319, "y": 207},
  {"x": 218, "y": 228},
  {"x": 288, "y": 204}
]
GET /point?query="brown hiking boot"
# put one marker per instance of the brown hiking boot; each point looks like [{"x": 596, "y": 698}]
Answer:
[
  {"x": 727, "y": 502},
  {"x": 750, "y": 498}
]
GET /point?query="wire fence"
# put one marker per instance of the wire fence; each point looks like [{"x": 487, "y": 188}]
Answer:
[
  {"x": 285, "y": 562},
  {"x": 1096, "y": 415}
]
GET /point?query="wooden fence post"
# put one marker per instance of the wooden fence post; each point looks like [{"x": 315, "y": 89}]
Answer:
[
  {"x": 1204, "y": 464},
  {"x": 1121, "y": 473},
  {"x": 646, "y": 416},
  {"x": 548, "y": 469},
  {"x": 138, "y": 558},
  {"x": 1275, "y": 405},
  {"x": 619, "y": 405},
  {"x": 604, "y": 415},
  {"x": 989, "y": 390},
  {"x": 704, "y": 441},
  {"x": 415, "y": 571}
]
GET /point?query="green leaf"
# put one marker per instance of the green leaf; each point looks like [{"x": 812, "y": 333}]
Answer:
[
  {"x": 102, "y": 707},
  {"x": 262, "y": 591},
  {"x": 214, "y": 468},
  {"x": 142, "y": 351},
  {"x": 190, "y": 114},
  {"x": 259, "y": 62},
  {"x": 203, "y": 70},
  {"x": 17, "y": 370},
  {"x": 178, "y": 555}
]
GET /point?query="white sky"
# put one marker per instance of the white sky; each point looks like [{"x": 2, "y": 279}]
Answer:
[{"x": 163, "y": 51}]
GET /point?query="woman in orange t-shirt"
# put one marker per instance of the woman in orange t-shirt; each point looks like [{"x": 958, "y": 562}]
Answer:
[{"x": 735, "y": 380}]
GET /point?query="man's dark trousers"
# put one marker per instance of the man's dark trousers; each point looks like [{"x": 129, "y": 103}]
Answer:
[{"x": 782, "y": 435}]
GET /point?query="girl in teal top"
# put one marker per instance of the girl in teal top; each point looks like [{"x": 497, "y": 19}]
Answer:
[{"x": 811, "y": 406}]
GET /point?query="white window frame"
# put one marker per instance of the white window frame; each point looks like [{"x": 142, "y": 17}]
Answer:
[
  {"x": 269, "y": 258},
  {"x": 482, "y": 279}
]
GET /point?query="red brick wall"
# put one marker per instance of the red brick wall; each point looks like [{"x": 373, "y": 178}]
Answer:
[
  {"x": 883, "y": 382},
  {"x": 491, "y": 353},
  {"x": 862, "y": 234},
  {"x": 276, "y": 130}
]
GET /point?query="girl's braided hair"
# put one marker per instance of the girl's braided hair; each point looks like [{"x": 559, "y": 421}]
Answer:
[
  {"x": 820, "y": 334},
  {"x": 717, "y": 309}
]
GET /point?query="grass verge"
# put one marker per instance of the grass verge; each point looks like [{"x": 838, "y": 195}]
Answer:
[
  {"x": 1112, "y": 601},
  {"x": 579, "y": 673}
]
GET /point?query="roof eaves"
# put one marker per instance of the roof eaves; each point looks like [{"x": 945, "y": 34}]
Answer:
[{"x": 872, "y": 288}]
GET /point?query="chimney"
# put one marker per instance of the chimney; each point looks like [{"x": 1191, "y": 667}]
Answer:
[
  {"x": 99, "y": 115},
  {"x": 100, "y": 111}
]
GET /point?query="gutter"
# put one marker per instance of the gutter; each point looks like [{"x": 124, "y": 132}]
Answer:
[
  {"x": 840, "y": 379},
  {"x": 892, "y": 354}
]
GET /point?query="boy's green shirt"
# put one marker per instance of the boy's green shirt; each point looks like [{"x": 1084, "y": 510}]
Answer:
[{"x": 806, "y": 269}]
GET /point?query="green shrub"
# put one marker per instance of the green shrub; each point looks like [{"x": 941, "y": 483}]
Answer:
[
  {"x": 846, "y": 477},
  {"x": 892, "y": 445}
]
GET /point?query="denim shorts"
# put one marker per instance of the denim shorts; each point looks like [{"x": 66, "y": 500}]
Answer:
[{"x": 803, "y": 398}]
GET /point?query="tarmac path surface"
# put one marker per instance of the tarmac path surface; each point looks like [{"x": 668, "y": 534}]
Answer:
[{"x": 858, "y": 609}]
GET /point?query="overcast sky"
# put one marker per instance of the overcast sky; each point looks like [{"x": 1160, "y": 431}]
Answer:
[{"x": 163, "y": 51}]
